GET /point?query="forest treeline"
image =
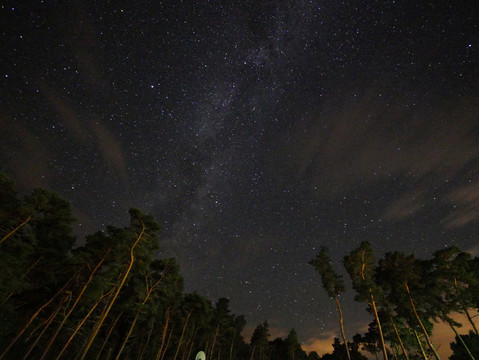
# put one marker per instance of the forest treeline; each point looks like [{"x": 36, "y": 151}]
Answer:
[{"x": 113, "y": 298}]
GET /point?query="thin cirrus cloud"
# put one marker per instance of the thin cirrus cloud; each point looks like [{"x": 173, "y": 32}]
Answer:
[
  {"x": 373, "y": 141},
  {"x": 89, "y": 130},
  {"x": 466, "y": 202}
]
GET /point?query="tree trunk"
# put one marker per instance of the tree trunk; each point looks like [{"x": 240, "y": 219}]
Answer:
[
  {"x": 16, "y": 229},
  {"x": 214, "y": 340},
  {"x": 32, "y": 318},
  {"x": 47, "y": 325},
  {"x": 207, "y": 349},
  {"x": 188, "y": 343},
  {"x": 163, "y": 334},
  {"x": 167, "y": 342},
  {"x": 65, "y": 318},
  {"x": 81, "y": 324},
  {"x": 182, "y": 334},
  {"x": 148, "y": 293},
  {"x": 428, "y": 340},
  {"x": 341, "y": 326},
  {"x": 403, "y": 349},
  {"x": 232, "y": 344},
  {"x": 125, "y": 276},
  {"x": 127, "y": 337},
  {"x": 469, "y": 317},
  {"x": 252, "y": 353},
  {"x": 23, "y": 277},
  {"x": 461, "y": 340},
  {"x": 142, "y": 352},
  {"x": 192, "y": 343},
  {"x": 464, "y": 308},
  {"x": 108, "y": 335},
  {"x": 383, "y": 346},
  {"x": 420, "y": 345},
  {"x": 401, "y": 344}
]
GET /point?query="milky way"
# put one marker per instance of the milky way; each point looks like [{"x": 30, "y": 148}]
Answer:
[{"x": 255, "y": 133}]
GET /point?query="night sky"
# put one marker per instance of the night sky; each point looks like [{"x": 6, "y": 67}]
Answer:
[{"x": 254, "y": 132}]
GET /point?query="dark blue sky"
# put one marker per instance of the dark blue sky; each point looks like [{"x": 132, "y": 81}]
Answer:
[{"x": 255, "y": 133}]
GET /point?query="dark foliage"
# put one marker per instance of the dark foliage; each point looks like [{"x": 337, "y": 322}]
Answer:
[{"x": 111, "y": 298}]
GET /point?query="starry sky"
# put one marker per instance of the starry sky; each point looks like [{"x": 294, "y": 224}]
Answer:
[{"x": 254, "y": 132}]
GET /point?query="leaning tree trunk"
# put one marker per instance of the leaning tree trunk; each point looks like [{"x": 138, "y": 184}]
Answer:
[
  {"x": 16, "y": 229},
  {"x": 252, "y": 353},
  {"x": 383, "y": 346},
  {"x": 192, "y": 343},
  {"x": 182, "y": 334},
  {"x": 125, "y": 276},
  {"x": 341, "y": 326},
  {"x": 23, "y": 277},
  {"x": 420, "y": 345},
  {"x": 401, "y": 344},
  {"x": 232, "y": 344},
  {"x": 167, "y": 342},
  {"x": 81, "y": 324},
  {"x": 214, "y": 341},
  {"x": 127, "y": 337},
  {"x": 65, "y": 318},
  {"x": 32, "y": 318},
  {"x": 108, "y": 335},
  {"x": 428, "y": 340},
  {"x": 149, "y": 290},
  {"x": 47, "y": 325},
  {"x": 460, "y": 339},
  {"x": 143, "y": 349},
  {"x": 163, "y": 334},
  {"x": 465, "y": 309},
  {"x": 469, "y": 318}
]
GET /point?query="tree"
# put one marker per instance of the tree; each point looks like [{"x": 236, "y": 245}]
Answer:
[
  {"x": 278, "y": 349},
  {"x": 451, "y": 279},
  {"x": 459, "y": 352},
  {"x": 332, "y": 283},
  {"x": 361, "y": 267},
  {"x": 142, "y": 228},
  {"x": 293, "y": 347},
  {"x": 399, "y": 275},
  {"x": 13, "y": 214},
  {"x": 340, "y": 354},
  {"x": 260, "y": 342},
  {"x": 370, "y": 341}
]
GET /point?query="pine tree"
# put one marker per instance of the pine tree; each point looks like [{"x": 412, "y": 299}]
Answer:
[
  {"x": 361, "y": 267},
  {"x": 332, "y": 283}
]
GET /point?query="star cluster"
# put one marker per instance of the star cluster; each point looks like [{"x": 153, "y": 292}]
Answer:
[{"x": 255, "y": 132}]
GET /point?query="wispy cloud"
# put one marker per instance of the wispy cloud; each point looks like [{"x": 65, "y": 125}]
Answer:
[
  {"x": 87, "y": 129},
  {"x": 407, "y": 205},
  {"x": 465, "y": 199},
  {"x": 377, "y": 141},
  {"x": 109, "y": 147}
]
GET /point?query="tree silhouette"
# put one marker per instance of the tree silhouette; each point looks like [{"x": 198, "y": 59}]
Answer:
[
  {"x": 340, "y": 354},
  {"x": 459, "y": 352},
  {"x": 332, "y": 283},
  {"x": 112, "y": 297},
  {"x": 402, "y": 279},
  {"x": 260, "y": 342},
  {"x": 361, "y": 267}
]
